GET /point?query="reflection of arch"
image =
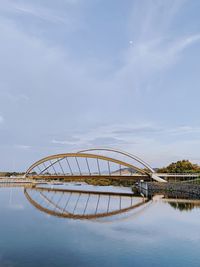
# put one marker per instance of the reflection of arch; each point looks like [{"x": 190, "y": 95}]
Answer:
[
  {"x": 55, "y": 208},
  {"x": 53, "y": 166}
]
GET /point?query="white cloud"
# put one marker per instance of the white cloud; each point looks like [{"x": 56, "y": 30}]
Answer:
[{"x": 62, "y": 142}]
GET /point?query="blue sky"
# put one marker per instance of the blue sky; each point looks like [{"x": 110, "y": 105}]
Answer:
[{"x": 77, "y": 74}]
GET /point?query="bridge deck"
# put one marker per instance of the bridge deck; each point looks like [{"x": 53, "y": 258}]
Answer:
[{"x": 84, "y": 177}]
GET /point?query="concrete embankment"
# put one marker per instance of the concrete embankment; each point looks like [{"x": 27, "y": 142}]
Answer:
[{"x": 174, "y": 189}]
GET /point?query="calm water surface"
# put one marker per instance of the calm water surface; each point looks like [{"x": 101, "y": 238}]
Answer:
[{"x": 155, "y": 235}]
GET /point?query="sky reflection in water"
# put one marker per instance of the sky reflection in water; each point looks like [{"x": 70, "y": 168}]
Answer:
[{"x": 158, "y": 235}]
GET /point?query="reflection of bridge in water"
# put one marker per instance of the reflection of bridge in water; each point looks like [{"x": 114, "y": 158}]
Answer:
[
  {"x": 78, "y": 204},
  {"x": 81, "y": 204}
]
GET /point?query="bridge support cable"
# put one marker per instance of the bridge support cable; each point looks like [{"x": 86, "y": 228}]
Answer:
[
  {"x": 86, "y": 204},
  {"x": 46, "y": 199},
  {"x": 64, "y": 209},
  {"x": 109, "y": 168},
  {"x": 41, "y": 199},
  {"x": 88, "y": 166},
  {"x": 97, "y": 204},
  {"x": 45, "y": 167},
  {"x": 61, "y": 167},
  {"x": 39, "y": 169},
  {"x": 76, "y": 203},
  {"x": 120, "y": 171},
  {"x": 51, "y": 199},
  {"x": 69, "y": 166},
  {"x": 56, "y": 205},
  {"x": 98, "y": 166},
  {"x": 108, "y": 204},
  {"x": 120, "y": 202},
  {"x": 52, "y": 165},
  {"x": 36, "y": 197},
  {"x": 78, "y": 165}
]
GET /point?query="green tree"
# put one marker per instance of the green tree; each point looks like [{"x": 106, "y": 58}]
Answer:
[{"x": 180, "y": 167}]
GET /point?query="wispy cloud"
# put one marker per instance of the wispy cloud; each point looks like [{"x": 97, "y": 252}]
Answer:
[
  {"x": 64, "y": 142},
  {"x": 184, "y": 130},
  {"x": 148, "y": 60},
  {"x": 13, "y": 97},
  {"x": 154, "y": 48},
  {"x": 66, "y": 83},
  {"x": 110, "y": 135},
  {"x": 61, "y": 13},
  {"x": 127, "y": 136},
  {"x": 23, "y": 147},
  {"x": 40, "y": 13}
]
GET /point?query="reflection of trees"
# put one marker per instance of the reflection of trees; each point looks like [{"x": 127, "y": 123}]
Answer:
[{"x": 182, "y": 206}]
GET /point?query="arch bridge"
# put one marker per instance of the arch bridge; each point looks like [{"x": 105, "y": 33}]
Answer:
[{"x": 92, "y": 163}]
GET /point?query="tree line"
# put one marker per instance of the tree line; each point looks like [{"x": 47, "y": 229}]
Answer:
[{"x": 181, "y": 166}]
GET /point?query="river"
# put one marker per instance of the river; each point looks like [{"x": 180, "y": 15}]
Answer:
[{"x": 159, "y": 234}]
